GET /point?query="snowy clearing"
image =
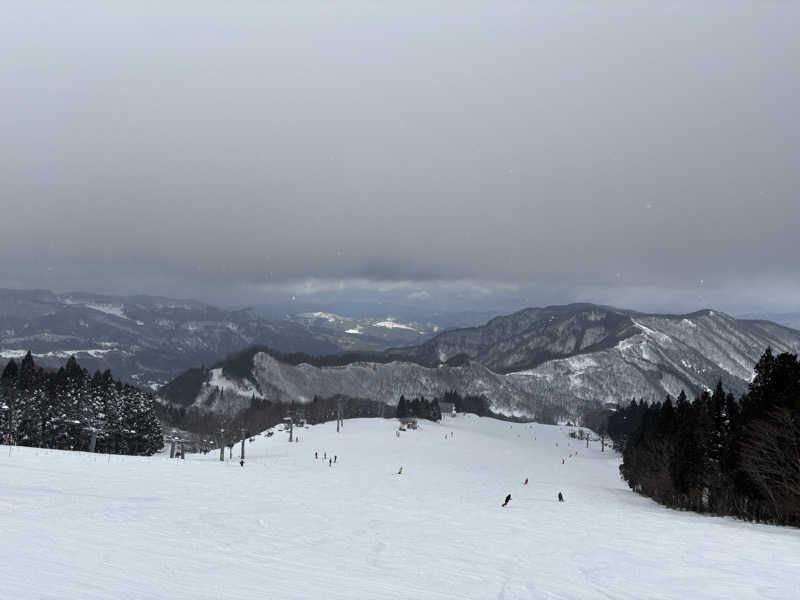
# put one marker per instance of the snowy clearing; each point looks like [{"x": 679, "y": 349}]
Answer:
[{"x": 82, "y": 526}]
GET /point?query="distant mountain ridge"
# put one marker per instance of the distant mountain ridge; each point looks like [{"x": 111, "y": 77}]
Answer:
[
  {"x": 790, "y": 319},
  {"x": 567, "y": 356},
  {"x": 145, "y": 339},
  {"x": 149, "y": 340},
  {"x": 529, "y": 337}
]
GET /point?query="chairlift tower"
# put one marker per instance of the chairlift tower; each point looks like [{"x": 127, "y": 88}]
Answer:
[
  {"x": 339, "y": 412},
  {"x": 92, "y": 438},
  {"x": 290, "y": 422}
]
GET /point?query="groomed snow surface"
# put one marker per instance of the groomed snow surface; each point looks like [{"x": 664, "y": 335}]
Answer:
[{"x": 81, "y": 526}]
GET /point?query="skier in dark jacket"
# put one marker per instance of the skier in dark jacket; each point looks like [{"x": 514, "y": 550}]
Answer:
[
  {"x": 560, "y": 497},
  {"x": 508, "y": 499}
]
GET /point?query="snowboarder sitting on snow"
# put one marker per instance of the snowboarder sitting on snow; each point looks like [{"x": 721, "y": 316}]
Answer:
[
  {"x": 560, "y": 497},
  {"x": 508, "y": 499}
]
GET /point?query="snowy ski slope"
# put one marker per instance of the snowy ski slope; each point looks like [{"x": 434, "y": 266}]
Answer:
[{"x": 75, "y": 526}]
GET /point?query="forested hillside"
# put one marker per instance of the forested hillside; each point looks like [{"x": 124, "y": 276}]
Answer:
[
  {"x": 718, "y": 454},
  {"x": 70, "y": 409}
]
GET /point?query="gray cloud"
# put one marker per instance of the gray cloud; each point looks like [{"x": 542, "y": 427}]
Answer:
[{"x": 618, "y": 152}]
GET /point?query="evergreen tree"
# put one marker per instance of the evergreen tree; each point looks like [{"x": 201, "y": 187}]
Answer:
[
  {"x": 10, "y": 409},
  {"x": 436, "y": 411},
  {"x": 414, "y": 408},
  {"x": 402, "y": 408}
]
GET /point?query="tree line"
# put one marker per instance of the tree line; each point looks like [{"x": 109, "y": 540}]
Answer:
[
  {"x": 719, "y": 454},
  {"x": 70, "y": 409},
  {"x": 419, "y": 408}
]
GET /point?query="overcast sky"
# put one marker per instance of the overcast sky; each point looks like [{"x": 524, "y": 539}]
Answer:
[{"x": 456, "y": 154}]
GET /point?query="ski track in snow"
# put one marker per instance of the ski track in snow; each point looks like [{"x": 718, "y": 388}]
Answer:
[{"x": 81, "y": 526}]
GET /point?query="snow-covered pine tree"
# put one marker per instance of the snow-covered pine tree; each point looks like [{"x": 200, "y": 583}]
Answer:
[{"x": 68, "y": 408}]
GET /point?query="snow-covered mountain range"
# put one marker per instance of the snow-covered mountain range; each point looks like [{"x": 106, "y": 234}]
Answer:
[
  {"x": 568, "y": 356},
  {"x": 144, "y": 339},
  {"x": 150, "y": 340}
]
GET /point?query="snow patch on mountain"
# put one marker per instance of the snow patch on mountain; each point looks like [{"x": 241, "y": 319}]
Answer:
[
  {"x": 109, "y": 309},
  {"x": 245, "y": 387},
  {"x": 222, "y": 395},
  {"x": 392, "y": 324},
  {"x": 330, "y": 317},
  {"x": 117, "y": 310},
  {"x": 658, "y": 335}
]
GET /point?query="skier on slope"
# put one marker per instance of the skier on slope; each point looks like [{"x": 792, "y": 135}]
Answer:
[
  {"x": 330, "y": 462},
  {"x": 526, "y": 481},
  {"x": 508, "y": 499},
  {"x": 316, "y": 456},
  {"x": 400, "y": 472},
  {"x": 560, "y": 497},
  {"x": 334, "y": 459}
]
